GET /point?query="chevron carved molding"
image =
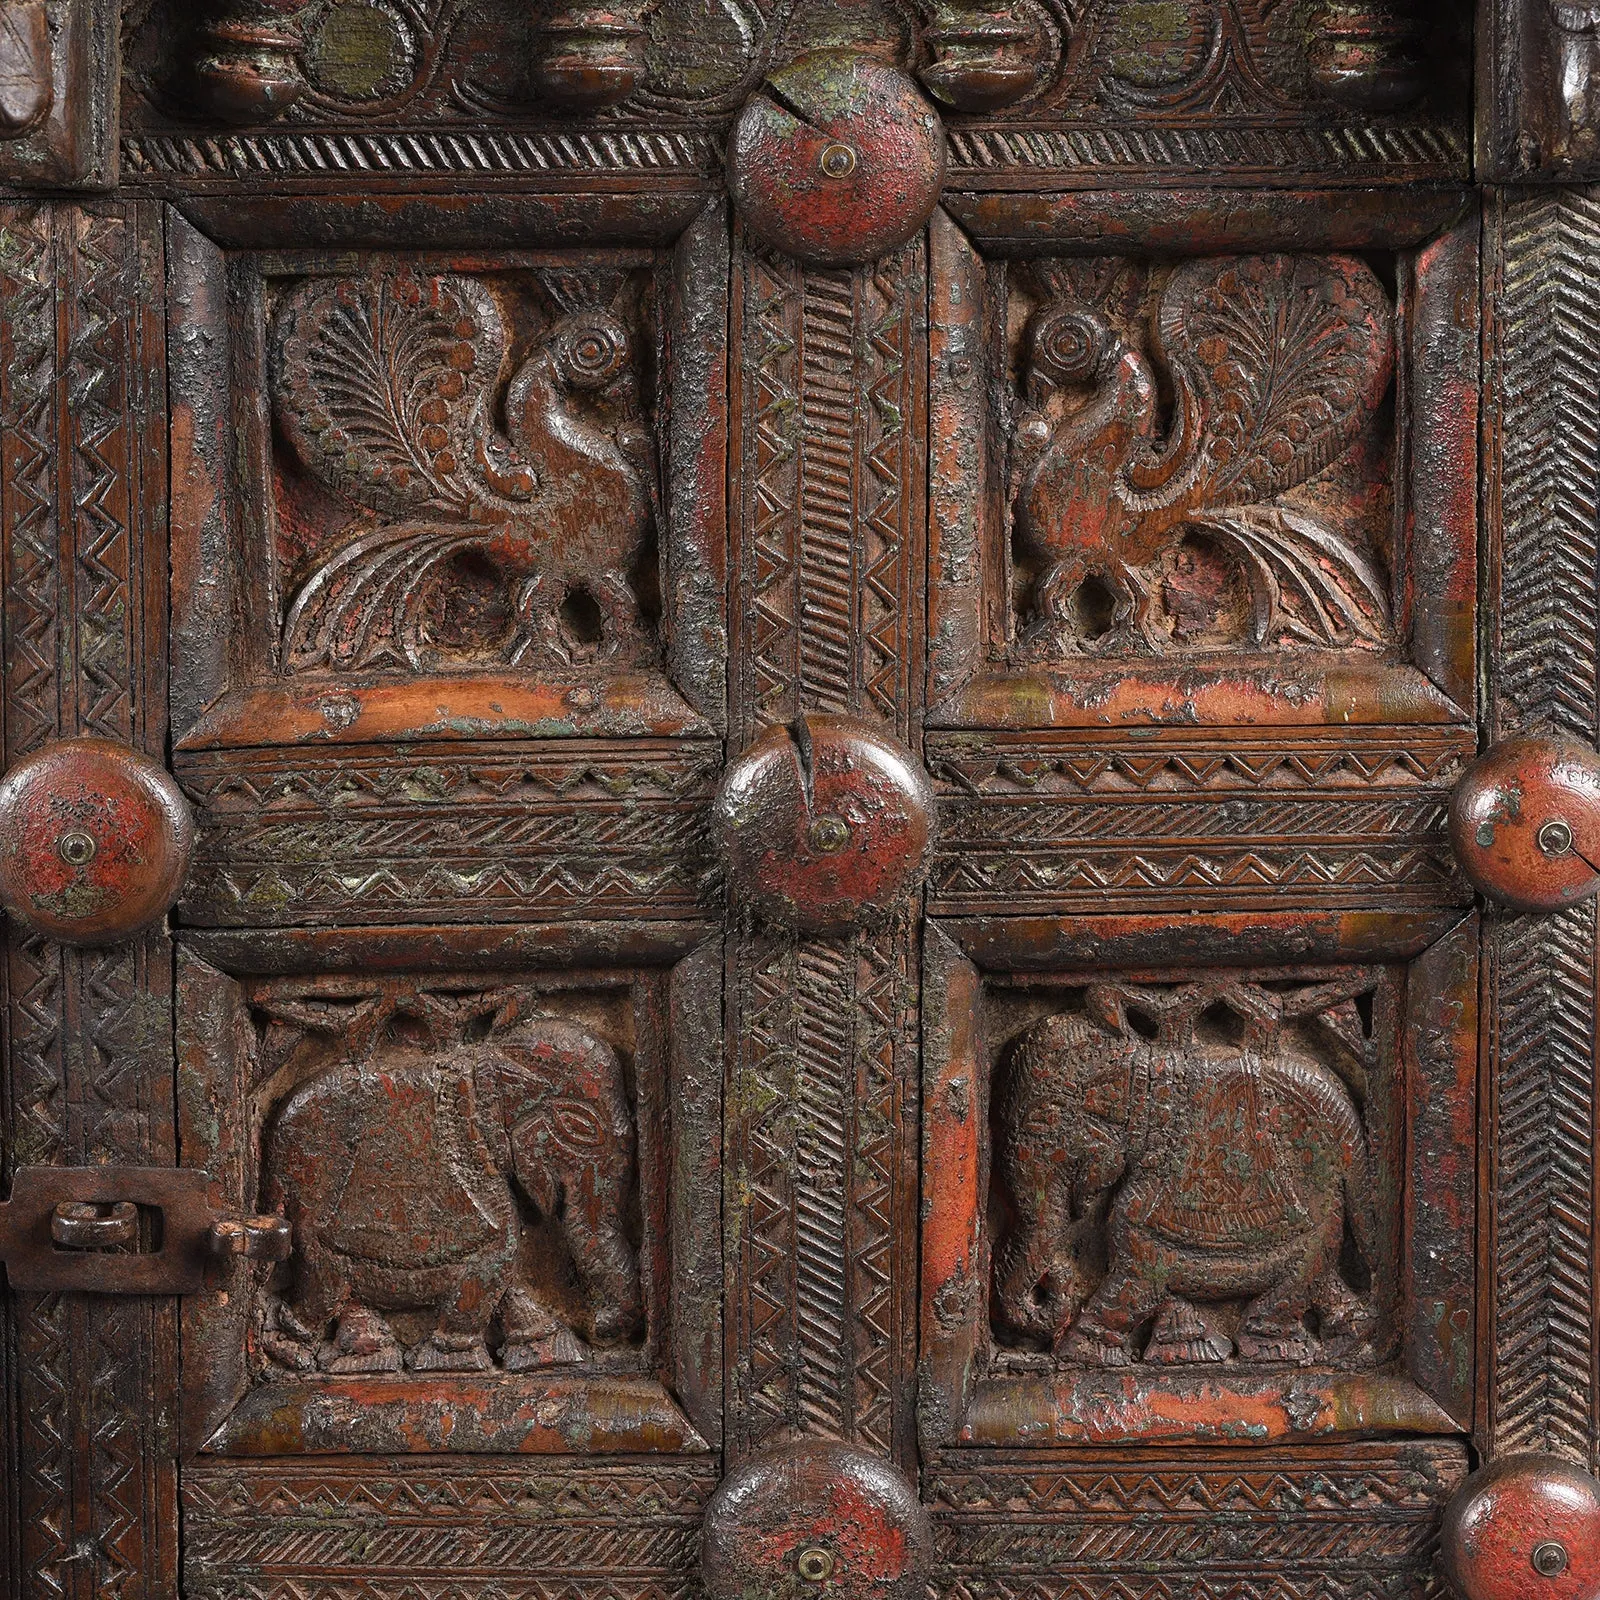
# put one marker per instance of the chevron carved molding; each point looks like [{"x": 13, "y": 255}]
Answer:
[{"x": 1544, "y": 479}]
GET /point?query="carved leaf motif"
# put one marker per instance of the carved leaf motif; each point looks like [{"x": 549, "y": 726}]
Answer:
[
  {"x": 1282, "y": 357},
  {"x": 383, "y": 385},
  {"x": 361, "y": 608},
  {"x": 1309, "y": 586}
]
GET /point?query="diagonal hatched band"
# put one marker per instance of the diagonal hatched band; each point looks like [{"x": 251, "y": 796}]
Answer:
[{"x": 1544, "y": 509}]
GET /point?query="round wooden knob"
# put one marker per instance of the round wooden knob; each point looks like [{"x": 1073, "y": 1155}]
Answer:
[
  {"x": 589, "y": 56},
  {"x": 824, "y": 826},
  {"x": 1367, "y": 54},
  {"x": 839, "y": 160},
  {"x": 986, "y": 53},
  {"x": 1526, "y": 1527},
  {"x": 246, "y": 69},
  {"x": 1525, "y": 823},
  {"x": 94, "y": 841},
  {"x": 815, "y": 1520}
]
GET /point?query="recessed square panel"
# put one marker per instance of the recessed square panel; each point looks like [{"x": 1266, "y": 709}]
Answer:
[
  {"x": 1199, "y": 1203},
  {"x": 1225, "y": 489},
  {"x": 427, "y": 496},
  {"x": 478, "y": 1167}
]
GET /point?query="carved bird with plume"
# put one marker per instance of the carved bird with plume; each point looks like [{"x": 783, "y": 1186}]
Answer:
[
  {"x": 387, "y": 388},
  {"x": 1276, "y": 365}
]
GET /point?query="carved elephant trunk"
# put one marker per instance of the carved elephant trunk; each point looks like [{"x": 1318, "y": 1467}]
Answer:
[
  {"x": 400, "y": 1173},
  {"x": 1061, "y": 1071},
  {"x": 570, "y": 1135}
]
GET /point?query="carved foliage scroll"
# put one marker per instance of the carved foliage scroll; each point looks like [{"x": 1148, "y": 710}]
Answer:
[{"x": 1358, "y": 83}]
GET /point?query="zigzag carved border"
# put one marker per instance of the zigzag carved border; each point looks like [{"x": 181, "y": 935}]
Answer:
[
  {"x": 829, "y": 427},
  {"x": 1361, "y": 1520},
  {"x": 82, "y": 485},
  {"x": 491, "y": 1529}
]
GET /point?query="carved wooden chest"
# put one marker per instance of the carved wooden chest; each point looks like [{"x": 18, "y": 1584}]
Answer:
[{"x": 800, "y": 799}]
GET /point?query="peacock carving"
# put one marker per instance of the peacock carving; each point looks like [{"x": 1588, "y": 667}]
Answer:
[
  {"x": 519, "y": 500},
  {"x": 1143, "y": 500}
]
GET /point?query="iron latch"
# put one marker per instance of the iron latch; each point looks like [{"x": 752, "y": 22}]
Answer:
[{"x": 124, "y": 1230}]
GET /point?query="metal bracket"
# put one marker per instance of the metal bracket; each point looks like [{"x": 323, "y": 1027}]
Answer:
[{"x": 69, "y": 1228}]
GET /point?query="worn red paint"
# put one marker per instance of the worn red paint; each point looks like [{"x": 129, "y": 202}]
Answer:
[
  {"x": 1525, "y": 823},
  {"x": 94, "y": 841},
  {"x": 815, "y": 1518},
  {"x": 838, "y": 160},
  {"x": 1526, "y": 1527},
  {"x": 824, "y": 825}
]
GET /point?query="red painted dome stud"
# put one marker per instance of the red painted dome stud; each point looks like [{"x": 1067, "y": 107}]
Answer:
[
  {"x": 824, "y": 827},
  {"x": 1525, "y": 823},
  {"x": 815, "y": 1520},
  {"x": 94, "y": 841},
  {"x": 838, "y": 160},
  {"x": 1526, "y": 1527}
]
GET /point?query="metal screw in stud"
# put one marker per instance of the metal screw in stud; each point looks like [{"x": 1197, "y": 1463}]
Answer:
[
  {"x": 76, "y": 849},
  {"x": 1555, "y": 838},
  {"x": 815, "y": 1564},
  {"x": 838, "y": 161},
  {"x": 830, "y": 835},
  {"x": 1549, "y": 1558}
]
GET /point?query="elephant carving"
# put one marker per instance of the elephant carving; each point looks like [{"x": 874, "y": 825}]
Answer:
[
  {"x": 1211, "y": 1182},
  {"x": 410, "y": 1170}
]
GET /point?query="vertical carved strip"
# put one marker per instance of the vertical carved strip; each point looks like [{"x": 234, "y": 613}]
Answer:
[
  {"x": 40, "y": 1326},
  {"x": 829, "y": 408},
  {"x": 823, "y": 1124},
  {"x": 893, "y": 311},
  {"x": 963, "y": 480},
  {"x": 829, "y": 491},
  {"x": 1547, "y": 334},
  {"x": 831, "y": 412},
  {"x": 61, "y": 63},
  {"x": 696, "y": 533},
  {"x": 766, "y": 414},
  {"x": 89, "y": 1058},
  {"x": 1544, "y": 498},
  {"x": 883, "y": 1185}
]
